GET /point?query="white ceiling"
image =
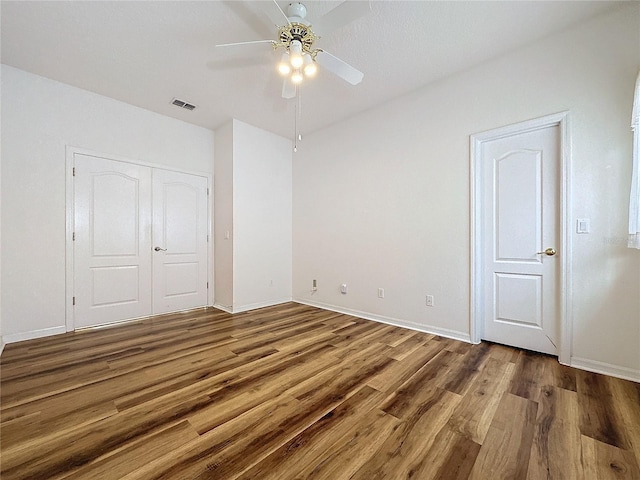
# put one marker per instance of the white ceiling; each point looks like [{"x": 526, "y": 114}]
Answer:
[{"x": 147, "y": 52}]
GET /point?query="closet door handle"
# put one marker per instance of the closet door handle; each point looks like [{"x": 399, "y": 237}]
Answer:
[{"x": 158, "y": 249}]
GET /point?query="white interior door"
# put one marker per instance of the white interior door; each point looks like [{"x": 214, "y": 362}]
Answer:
[
  {"x": 520, "y": 204},
  {"x": 180, "y": 238},
  {"x": 118, "y": 209},
  {"x": 112, "y": 228}
]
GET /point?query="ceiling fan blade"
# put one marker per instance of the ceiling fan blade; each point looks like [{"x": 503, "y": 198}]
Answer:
[
  {"x": 339, "y": 67},
  {"x": 282, "y": 12},
  {"x": 288, "y": 89},
  {"x": 340, "y": 16},
  {"x": 275, "y": 13},
  {"x": 245, "y": 43}
]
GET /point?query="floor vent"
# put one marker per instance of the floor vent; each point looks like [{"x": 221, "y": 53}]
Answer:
[{"x": 183, "y": 104}]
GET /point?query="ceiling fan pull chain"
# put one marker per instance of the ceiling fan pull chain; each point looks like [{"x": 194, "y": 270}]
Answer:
[
  {"x": 297, "y": 136},
  {"x": 295, "y": 120}
]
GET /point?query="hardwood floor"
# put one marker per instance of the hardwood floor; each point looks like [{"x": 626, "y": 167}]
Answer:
[{"x": 295, "y": 392}]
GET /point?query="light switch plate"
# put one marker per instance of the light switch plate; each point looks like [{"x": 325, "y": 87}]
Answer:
[{"x": 583, "y": 225}]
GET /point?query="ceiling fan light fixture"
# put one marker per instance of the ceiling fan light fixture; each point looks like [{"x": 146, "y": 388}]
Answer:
[
  {"x": 296, "y": 61},
  {"x": 284, "y": 67},
  {"x": 296, "y": 77},
  {"x": 310, "y": 66},
  {"x": 295, "y": 52}
]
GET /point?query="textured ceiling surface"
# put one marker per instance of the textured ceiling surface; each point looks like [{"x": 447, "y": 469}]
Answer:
[{"x": 147, "y": 52}]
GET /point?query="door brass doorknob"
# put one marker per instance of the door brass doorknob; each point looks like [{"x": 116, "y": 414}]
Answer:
[{"x": 549, "y": 251}]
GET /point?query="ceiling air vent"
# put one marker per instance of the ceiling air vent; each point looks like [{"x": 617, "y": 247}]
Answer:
[{"x": 183, "y": 104}]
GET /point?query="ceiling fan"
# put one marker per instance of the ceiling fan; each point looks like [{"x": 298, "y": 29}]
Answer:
[{"x": 300, "y": 58}]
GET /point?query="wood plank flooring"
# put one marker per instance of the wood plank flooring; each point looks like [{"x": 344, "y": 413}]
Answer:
[{"x": 295, "y": 392}]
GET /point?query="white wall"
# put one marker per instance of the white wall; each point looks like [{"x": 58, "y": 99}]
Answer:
[
  {"x": 262, "y": 217},
  {"x": 1, "y": 337},
  {"x": 223, "y": 216},
  {"x": 40, "y": 117},
  {"x": 382, "y": 199}
]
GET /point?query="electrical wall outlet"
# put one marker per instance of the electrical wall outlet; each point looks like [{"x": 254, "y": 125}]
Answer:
[
  {"x": 381, "y": 293},
  {"x": 343, "y": 288},
  {"x": 429, "y": 300},
  {"x": 314, "y": 285}
]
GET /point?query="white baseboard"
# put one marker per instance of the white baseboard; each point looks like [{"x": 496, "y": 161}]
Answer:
[
  {"x": 43, "y": 332},
  {"x": 1, "y": 344},
  {"x": 252, "y": 306},
  {"x": 443, "y": 332},
  {"x": 606, "y": 369},
  {"x": 224, "y": 308}
]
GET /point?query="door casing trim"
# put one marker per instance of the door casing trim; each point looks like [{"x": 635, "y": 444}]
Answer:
[
  {"x": 70, "y": 153},
  {"x": 476, "y": 321}
]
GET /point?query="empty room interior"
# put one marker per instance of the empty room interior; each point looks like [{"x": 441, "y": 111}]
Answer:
[{"x": 328, "y": 240}]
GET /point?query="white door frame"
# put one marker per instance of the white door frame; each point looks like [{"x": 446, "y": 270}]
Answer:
[
  {"x": 71, "y": 152},
  {"x": 561, "y": 120}
]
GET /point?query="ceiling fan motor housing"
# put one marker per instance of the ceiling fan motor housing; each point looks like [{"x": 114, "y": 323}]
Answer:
[{"x": 300, "y": 32}]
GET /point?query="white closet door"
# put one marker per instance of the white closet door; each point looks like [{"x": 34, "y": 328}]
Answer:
[
  {"x": 180, "y": 238},
  {"x": 112, "y": 247}
]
